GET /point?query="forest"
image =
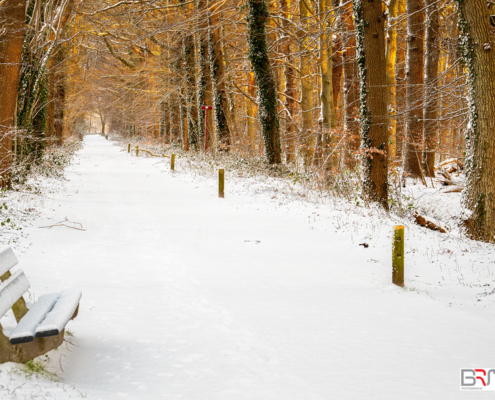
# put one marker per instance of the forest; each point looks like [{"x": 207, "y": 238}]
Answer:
[
  {"x": 247, "y": 199},
  {"x": 365, "y": 93}
]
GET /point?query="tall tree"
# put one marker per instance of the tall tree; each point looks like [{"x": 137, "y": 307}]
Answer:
[
  {"x": 304, "y": 41},
  {"x": 370, "y": 27},
  {"x": 204, "y": 75},
  {"x": 414, "y": 91},
  {"x": 12, "y": 20},
  {"x": 265, "y": 80},
  {"x": 430, "y": 113},
  {"x": 351, "y": 91},
  {"x": 290, "y": 89},
  {"x": 478, "y": 47},
  {"x": 391, "y": 55},
  {"x": 217, "y": 69}
]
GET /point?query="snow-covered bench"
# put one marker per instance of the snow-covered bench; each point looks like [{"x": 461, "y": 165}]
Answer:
[{"x": 39, "y": 329}]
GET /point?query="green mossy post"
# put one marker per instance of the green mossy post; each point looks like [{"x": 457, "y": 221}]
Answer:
[
  {"x": 172, "y": 162},
  {"x": 137, "y": 151},
  {"x": 398, "y": 256},
  {"x": 221, "y": 183},
  {"x": 129, "y": 148}
]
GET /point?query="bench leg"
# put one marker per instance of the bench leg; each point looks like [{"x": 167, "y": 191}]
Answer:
[{"x": 20, "y": 353}]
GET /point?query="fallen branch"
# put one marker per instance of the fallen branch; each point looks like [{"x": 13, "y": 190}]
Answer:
[
  {"x": 154, "y": 155},
  {"x": 61, "y": 223}
]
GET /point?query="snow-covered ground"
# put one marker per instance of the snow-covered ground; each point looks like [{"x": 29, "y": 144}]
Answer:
[{"x": 261, "y": 295}]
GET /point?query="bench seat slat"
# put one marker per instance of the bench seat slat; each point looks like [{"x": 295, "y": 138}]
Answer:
[
  {"x": 61, "y": 313},
  {"x": 26, "y": 328},
  {"x": 8, "y": 259},
  {"x": 11, "y": 290}
]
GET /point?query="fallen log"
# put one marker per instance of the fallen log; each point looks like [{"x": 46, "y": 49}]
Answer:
[{"x": 429, "y": 222}]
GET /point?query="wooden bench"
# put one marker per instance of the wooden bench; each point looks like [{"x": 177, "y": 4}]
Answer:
[{"x": 39, "y": 329}]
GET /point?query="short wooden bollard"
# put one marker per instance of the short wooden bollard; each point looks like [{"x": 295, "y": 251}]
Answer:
[
  {"x": 129, "y": 148},
  {"x": 398, "y": 256},
  {"x": 137, "y": 151},
  {"x": 172, "y": 162},
  {"x": 221, "y": 183}
]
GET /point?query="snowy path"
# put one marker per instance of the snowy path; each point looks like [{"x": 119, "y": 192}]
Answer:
[{"x": 180, "y": 302}]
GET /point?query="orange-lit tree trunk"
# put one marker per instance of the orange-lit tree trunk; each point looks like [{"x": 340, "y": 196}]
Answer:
[
  {"x": 12, "y": 20},
  {"x": 370, "y": 27},
  {"x": 217, "y": 69},
  {"x": 430, "y": 113},
  {"x": 351, "y": 91},
  {"x": 290, "y": 89},
  {"x": 414, "y": 89}
]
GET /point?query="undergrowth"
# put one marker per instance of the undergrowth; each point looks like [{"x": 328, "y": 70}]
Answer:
[
  {"x": 37, "y": 367},
  {"x": 51, "y": 164}
]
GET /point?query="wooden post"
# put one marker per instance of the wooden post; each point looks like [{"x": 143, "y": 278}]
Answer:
[
  {"x": 172, "y": 162},
  {"x": 129, "y": 148},
  {"x": 137, "y": 151},
  {"x": 398, "y": 256},
  {"x": 221, "y": 175}
]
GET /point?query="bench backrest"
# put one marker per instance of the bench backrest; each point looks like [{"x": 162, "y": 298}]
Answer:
[
  {"x": 14, "y": 286},
  {"x": 8, "y": 259}
]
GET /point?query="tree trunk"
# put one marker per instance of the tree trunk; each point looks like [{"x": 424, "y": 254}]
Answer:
[
  {"x": 191, "y": 99},
  {"x": 307, "y": 139},
  {"x": 478, "y": 49},
  {"x": 12, "y": 18},
  {"x": 400, "y": 83},
  {"x": 265, "y": 80},
  {"x": 204, "y": 78},
  {"x": 430, "y": 113},
  {"x": 370, "y": 25},
  {"x": 351, "y": 94},
  {"x": 327, "y": 106},
  {"x": 183, "y": 121},
  {"x": 414, "y": 89},
  {"x": 217, "y": 68},
  {"x": 174, "y": 119},
  {"x": 337, "y": 58},
  {"x": 391, "y": 55},
  {"x": 290, "y": 89},
  {"x": 252, "y": 109}
]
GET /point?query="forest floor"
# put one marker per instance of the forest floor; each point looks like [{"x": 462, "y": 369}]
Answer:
[{"x": 265, "y": 294}]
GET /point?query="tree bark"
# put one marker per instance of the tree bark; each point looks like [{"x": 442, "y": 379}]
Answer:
[
  {"x": 12, "y": 19},
  {"x": 204, "y": 78},
  {"x": 337, "y": 57},
  {"x": 351, "y": 92},
  {"x": 307, "y": 136},
  {"x": 430, "y": 112},
  {"x": 415, "y": 87},
  {"x": 252, "y": 110},
  {"x": 265, "y": 80},
  {"x": 217, "y": 68},
  {"x": 391, "y": 55},
  {"x": 478, "y": 49},
  {"x": 370, "y": 27},
  {"x": 191, "y": 95},
  {"x": 290, "y": 89}
]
